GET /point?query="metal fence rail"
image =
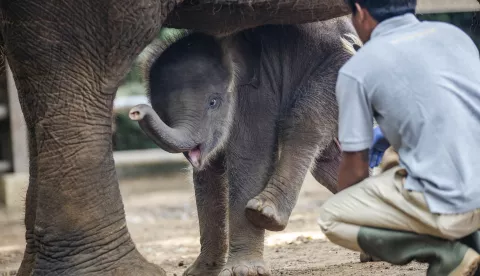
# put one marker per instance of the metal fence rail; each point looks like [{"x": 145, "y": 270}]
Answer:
[
  {"x": 443, "y": 6},
  {"x": 124, "y": 103},
  {"x": 3, "y": 112},
  {"x": 146, "y": 157},
  {"x": 5, "y": 165}
]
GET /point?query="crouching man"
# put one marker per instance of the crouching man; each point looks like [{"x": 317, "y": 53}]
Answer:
[{"x": 421, "y": 82}]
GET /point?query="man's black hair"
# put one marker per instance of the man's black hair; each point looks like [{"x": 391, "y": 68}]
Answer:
[{"x": 384, "y": 9}]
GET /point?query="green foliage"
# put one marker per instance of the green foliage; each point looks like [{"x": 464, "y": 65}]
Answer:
[
  {"x": 469, "y": 22},
  {"x": 132, "y": 88},
  {"x": 129, "y": 136},
  {"x": 133, "y": 75}
]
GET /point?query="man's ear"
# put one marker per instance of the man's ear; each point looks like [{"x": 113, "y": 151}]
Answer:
[{"x": 360, "y": 12}]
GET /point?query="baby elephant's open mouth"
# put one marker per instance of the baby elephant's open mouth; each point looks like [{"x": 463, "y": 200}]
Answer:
[{"x": 194, "y": 156}]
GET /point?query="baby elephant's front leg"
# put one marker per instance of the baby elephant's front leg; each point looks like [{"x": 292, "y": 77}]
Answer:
[
  {"x": 211, "y": 198},
  {"x": 271, "y": 209}
]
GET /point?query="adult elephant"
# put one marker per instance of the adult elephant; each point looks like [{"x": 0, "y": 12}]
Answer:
[{"x": 67, "y": 58}]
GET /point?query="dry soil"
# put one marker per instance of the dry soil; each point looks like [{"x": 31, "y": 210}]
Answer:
[{"x": 162, "y": 219}]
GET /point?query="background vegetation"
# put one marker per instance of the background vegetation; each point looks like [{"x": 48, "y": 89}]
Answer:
[{"x": 129, "y": 136}]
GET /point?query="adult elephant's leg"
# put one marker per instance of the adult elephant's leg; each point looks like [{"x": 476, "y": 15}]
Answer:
[
  {"x": 211, "y": 194},
  {"x": 250, "y": 161},
  {"x": 28, "y": 261},
  {"x": 68, "y": 58},
  {"x": 30, "y": 202}
]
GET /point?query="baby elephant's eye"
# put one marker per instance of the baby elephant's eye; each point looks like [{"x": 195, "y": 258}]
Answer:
[{"x": 213, "y": 102}]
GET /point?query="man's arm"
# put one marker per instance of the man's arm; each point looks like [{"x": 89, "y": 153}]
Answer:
[
  {"x": 353, "y": 168},
  {"x": 355, "y": 130}
]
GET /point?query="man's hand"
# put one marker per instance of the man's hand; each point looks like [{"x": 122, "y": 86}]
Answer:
[
  {"x": 379, "y": 146},
  {"x": 353, "y": 168}
]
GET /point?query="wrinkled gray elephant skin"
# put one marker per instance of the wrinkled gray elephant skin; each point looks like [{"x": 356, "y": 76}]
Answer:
[
  {"x": 252, "y": 112},
  {"x": 68, "y": 58},
  {"x": 229, "y": 17}
]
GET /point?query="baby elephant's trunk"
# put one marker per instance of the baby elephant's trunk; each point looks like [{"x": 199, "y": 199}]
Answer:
[{"x": 167, "y": 138}]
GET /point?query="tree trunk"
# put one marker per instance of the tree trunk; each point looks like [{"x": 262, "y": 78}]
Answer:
[{"x": 227, "y": 16}]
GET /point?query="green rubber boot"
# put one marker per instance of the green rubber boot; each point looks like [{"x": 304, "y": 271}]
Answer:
[
  {"x": 446, "y": 258},
  {"x": 473, "y": 241}
]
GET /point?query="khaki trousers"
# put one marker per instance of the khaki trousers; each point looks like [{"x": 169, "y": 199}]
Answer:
[{"x": 382, "y": 202}]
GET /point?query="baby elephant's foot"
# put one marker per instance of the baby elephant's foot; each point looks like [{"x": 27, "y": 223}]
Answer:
[
  {"x": 246, "y": 268},
  {"x": 365, "y": 258},
  {"x": 263, "y": 213},
  {"x": 202, "y": 267}
]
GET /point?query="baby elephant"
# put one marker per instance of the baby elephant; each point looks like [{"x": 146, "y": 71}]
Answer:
[{"x": 252, "y": 112}]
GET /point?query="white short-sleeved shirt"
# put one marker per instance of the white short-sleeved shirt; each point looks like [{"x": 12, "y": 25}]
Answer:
[{"x": 421, "y": 82}]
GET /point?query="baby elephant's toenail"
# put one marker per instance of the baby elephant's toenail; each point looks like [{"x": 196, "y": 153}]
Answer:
[
  {"x": 241, "y": 271},
  {"x": 225, "y": 272},
  {"x": 268, "y": 211},
  {"x": 261, "y": 271},
  {"x": 254, "y": 204}
]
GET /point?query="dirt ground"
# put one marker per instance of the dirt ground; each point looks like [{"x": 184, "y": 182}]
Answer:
[{"x": 161, "y": 216}]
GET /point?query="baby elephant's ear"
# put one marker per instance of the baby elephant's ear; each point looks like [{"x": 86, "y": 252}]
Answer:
[{"x": 252, "y": 53}]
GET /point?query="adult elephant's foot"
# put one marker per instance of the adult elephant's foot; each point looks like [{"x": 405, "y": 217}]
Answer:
[
  {"x": 135, "y": 264},
  {"x": 203, "y": 267},
  {"x": 131, "y": 264},
  {"x": 122, "y": 261},
  {"x": 28, "y": 262},
  {"x": 246, "y": 266},
  {"x": 264, "y": 213}
]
